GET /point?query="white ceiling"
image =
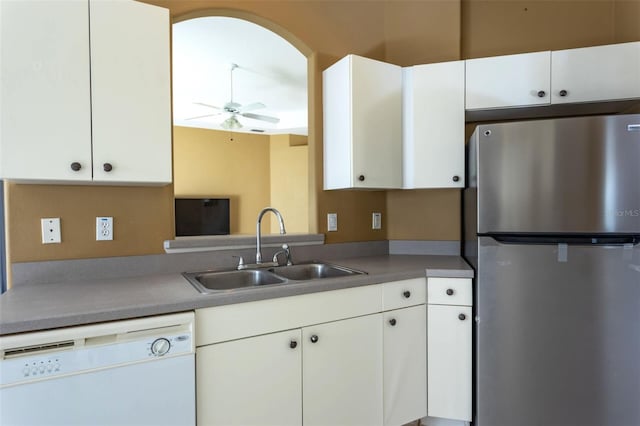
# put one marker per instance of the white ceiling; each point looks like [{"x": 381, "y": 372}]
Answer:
[{"x": 270, "y": 70}]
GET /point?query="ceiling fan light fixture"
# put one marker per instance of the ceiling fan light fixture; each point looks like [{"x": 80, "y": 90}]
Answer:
[{"x": 231, "y": 123}]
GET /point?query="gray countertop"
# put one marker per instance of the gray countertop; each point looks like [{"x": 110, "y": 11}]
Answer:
[{"x": 53, "y": 305}]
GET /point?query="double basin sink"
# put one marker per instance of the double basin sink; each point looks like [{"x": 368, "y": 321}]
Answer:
[{"x": 216, "y": 281}]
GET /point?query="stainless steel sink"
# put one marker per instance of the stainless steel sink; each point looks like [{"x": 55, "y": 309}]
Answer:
[
  {"x": 216, "y": 281},
  {"x": 312, "y": 271},
  {"x": 209, "y": 282}
]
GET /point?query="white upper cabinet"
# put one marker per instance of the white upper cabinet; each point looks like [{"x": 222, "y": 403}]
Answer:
[
  {"x": 589, "y": 74},
  {"x": 508, "y": 81},
  {"x": 130, "y": 81},
  {"x": 45, "y": 109},
  {"x": 362, "y": 107},
  {"x": 433, "y": 125},
  {"x": 85, "y": 92}
]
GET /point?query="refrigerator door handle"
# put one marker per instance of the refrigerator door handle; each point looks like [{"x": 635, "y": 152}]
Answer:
[{"x": 583, "y": 240}]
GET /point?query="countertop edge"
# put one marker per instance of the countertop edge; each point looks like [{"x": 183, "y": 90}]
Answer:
[{"x": 191, "y": 299}]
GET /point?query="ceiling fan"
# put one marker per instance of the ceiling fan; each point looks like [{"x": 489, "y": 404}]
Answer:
[{"x": 235, "y": 109}]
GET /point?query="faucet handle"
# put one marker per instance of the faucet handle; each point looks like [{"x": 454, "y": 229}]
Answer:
[{"x": 241, "y": 264}]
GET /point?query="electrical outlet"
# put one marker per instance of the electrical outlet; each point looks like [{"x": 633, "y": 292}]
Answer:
[
  {"x": 332, "y": 222},
  {"x": 50, "y": 230},
  {"x": 376, "y": 221},
  {"x": 104, "y": 228}
]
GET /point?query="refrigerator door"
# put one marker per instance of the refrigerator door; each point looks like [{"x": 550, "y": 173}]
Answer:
[
  {"x": 557, "y": 335},
  {"x": 572, "y": 175}
]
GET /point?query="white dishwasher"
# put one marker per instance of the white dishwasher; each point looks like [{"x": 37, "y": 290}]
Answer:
[{"x": 123, "y": 373}]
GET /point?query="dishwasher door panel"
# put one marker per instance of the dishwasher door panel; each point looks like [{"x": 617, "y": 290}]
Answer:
[
  {"x": 557, "y": 335},
  {"x": 155, "y": 393}
]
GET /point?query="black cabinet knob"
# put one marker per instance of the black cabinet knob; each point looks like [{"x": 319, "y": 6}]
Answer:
[
  {"x": 407, "y": 294},
  {"x": 314, "y": 339},
  {"x": 542, "y": 94},
  {"x": 563, "y": 93},
  {"x": 361, "y": 178},
  {"x": 392, "y": 321},
  {"x": 462, "y": 317},
  {"x": 456, "y": 178},
  {"x": 293, "y": 344},
  {"x": 450, "y": 292},
  {"x": 107, "y": 167},
  {"x": 75, "y": 166}
]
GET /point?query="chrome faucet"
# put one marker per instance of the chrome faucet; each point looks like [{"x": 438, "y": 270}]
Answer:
[{"x": 259, "y": 230}]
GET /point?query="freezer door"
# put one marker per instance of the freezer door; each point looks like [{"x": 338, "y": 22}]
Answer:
[
  {"x": 557, "y": 335},
  {"x": 572, "y": 175}
]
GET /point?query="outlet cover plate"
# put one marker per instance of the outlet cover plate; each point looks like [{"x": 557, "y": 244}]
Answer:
[
  {"x": 376, "y": 221},
  {"x": 50, "y": 230},
  {"x": 104, "y": 228}
]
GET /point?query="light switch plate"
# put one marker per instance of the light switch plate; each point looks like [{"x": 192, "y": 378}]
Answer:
[
  {"x": 50, "y": 230},
  {"x": 104, "y": 228},
  {"x": 332, "y": 222},
  {"x": 376, "y": 221}
]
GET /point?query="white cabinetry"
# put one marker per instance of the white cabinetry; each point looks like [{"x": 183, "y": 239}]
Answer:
[
  {"x": 433, "y": 125},
  {"x": 342, "y": 372},
  {"x": 405, "y": 365},
  {"x": 405, "y": 347},
  {"x": 508, "y": 81},
  {"x": 316, "y": 359},
  {"x": 252, "y": 381},
  {"x": 362, "y": 107},
  {"x": 449, "y": 319},
  {"x": 85, "y": 92},
  {"x": 590, "y": 74}
]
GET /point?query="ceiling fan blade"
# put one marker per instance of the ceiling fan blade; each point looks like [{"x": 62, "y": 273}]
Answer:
[
  {"x": 207, "y": 105},
  {"x": 253, "y": 106},
  {"x": 261, "y": 117},
  {"x": 203, "y": 116}
]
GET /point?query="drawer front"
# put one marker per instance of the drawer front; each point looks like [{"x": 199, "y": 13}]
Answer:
[
  {"x": 229, "y": 322},
  {"x": 450, "y": 291},
  {"x": 400, "y": 294}
]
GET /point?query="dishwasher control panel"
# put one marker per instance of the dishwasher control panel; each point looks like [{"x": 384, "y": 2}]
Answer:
[
  {"x": 92, "y": 350},
  {"x": 24, "y": 365}
]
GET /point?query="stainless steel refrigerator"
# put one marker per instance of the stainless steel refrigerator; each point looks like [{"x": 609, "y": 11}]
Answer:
[{"x": 552, "y": 228}]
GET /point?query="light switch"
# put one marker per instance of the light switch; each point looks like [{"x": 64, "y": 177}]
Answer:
[
  {"x": 332, "y": 222},
  {"x": 376, "y": 221}
]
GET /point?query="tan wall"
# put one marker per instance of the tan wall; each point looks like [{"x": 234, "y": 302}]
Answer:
[
  {"x": 627, "y": 20},
  {"x": 500, "y": 27},
  {"x": 217, "y": 164},
  {"x": 142, "y": 220},
  {"x": 290, "y": 182}
]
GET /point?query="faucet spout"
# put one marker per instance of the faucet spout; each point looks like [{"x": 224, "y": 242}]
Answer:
[{"x": 259, "y": 229}]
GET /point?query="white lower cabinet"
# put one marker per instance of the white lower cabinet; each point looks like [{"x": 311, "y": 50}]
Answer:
[
  {"x": 342, "y": 372},
  {"x": 252, "y": 381},
  {"x": 449, "y": 349},
  {"x": 351, "y": 357},
  {"x": 405, "y": 365}
]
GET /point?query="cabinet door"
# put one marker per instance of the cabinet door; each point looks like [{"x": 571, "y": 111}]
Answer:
[
  {"x": 596, "y": 73},
  {"x": 362, "y": 107},
  {"x": 250, "y": 382},
  {"x": 508, "y": 81},
  {"x": 130, "y": 84},
  {"x": 433, "y": 126},
  {"x": 405, "y": 365},
  {"x": 45, "y": 122},
  {"x": 342, "y": 372},
  {"x": 449, "y": 362}
]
